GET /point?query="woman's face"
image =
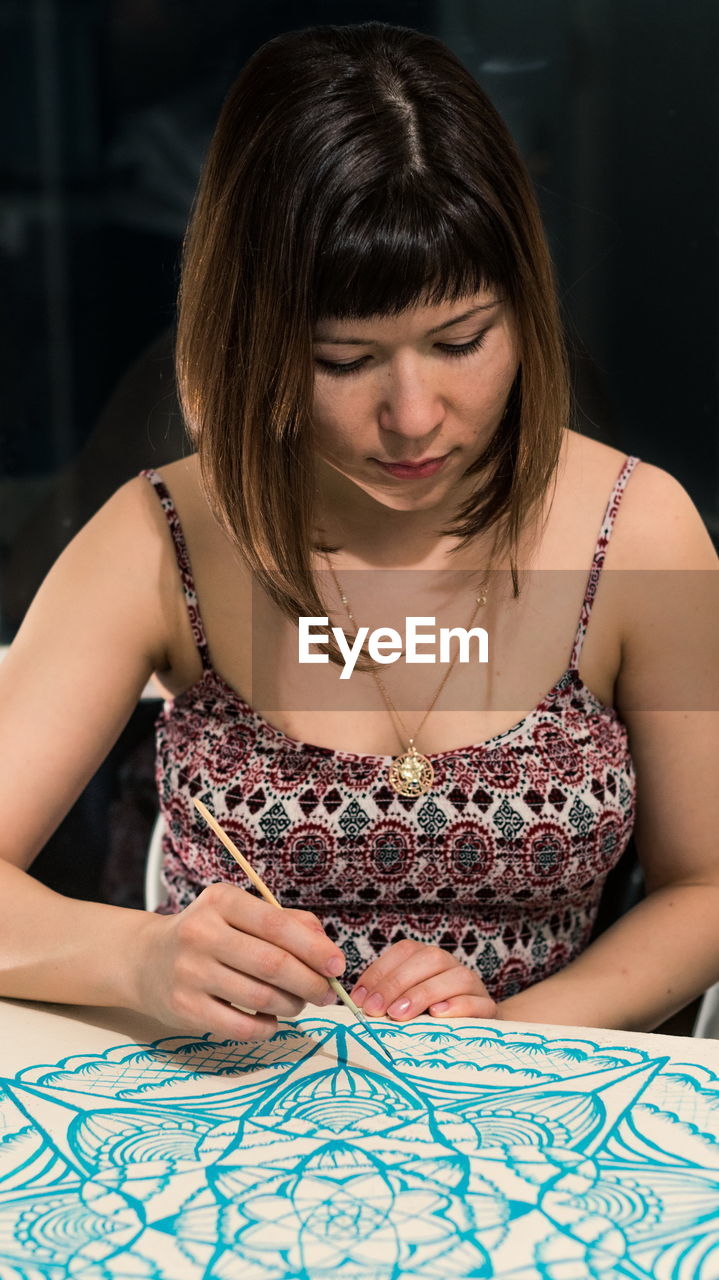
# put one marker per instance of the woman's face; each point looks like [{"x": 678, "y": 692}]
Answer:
[{"x": 404, "y": 404}]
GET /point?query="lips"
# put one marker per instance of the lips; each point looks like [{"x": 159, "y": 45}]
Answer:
[
  {"x": 411, "y": 462},
  {"x": 413, "y": 470}
]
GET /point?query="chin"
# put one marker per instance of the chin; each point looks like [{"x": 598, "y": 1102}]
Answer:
[{"x": 399, "y": 501}]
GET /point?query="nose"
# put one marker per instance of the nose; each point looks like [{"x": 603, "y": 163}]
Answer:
[{"x": 410, "y": 405}]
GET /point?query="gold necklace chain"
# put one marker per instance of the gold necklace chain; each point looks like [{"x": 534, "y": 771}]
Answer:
[{"x": 411, "y": 773}]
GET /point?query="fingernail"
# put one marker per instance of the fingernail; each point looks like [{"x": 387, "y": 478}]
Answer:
[
  {"x": 359, "y": 995},
  {"x": 330, "y": 998},
  {"x": 442, "y": 1007},
  {"x": 335, "y": 966},
  {"x": 375, "y": 1004},
  {"x": 398, "y": 1008}
]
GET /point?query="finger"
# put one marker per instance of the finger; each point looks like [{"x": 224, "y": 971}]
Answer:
[
  {"x": 424, "y": 964},
  {"x": 466, "y": 1006},
  {"x": 236, "y": 1025},
  {"x": 453, "y": 983},
  {"x": 307, "y": 918},
  {"x": 274, "y": 966},
  {"x": 380, "y": 969},
  {"x": 248, "y": 992},
  {"x": 306, "y": 942},
  {"x": 230, "y": 1024},
  {"x": 245, "y": 918}
]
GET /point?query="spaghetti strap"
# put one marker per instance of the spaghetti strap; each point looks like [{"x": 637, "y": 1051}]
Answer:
[
  {"x": 600, "y": 552},
  {"x": 183, "y": 564}
]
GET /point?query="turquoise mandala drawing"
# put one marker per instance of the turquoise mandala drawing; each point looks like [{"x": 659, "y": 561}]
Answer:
[{"x": 481, "y": 1153}]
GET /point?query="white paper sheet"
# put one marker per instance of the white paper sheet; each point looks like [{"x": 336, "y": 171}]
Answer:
[{"x": 485, "y": 1149}]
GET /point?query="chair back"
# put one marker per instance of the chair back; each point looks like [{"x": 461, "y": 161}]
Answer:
[{"x": 154, "y": 892}]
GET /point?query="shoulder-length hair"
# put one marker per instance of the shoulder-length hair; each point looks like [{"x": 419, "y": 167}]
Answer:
[{"x": 355, "y": 171}]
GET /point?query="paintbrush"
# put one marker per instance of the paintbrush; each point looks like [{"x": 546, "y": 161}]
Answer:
[{"x": 270, "y": 897}]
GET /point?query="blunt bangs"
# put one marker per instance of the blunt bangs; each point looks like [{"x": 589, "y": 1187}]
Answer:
[{"x": 388, "y": 256}]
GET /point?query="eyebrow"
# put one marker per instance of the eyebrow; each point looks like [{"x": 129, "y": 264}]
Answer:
[{"x": 363, "y": 342}]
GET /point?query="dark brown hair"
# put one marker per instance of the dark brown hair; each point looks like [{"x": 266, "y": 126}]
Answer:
[{"x": 355, "y": 171}]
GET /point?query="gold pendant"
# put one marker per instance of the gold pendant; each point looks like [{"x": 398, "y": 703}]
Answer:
[{"x": 411, "y": 774}]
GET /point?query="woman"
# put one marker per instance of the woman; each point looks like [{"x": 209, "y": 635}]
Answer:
[{"x": 372, "y": 372}]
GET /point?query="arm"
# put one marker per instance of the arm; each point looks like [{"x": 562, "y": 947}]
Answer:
[
  {"x": 92, "y": 637},
  {"x": 664, "y": 952},
  {"x": 100, "y": 625}
]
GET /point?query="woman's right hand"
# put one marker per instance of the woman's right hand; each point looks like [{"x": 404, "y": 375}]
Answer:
[{"x": 230, "y": 948}]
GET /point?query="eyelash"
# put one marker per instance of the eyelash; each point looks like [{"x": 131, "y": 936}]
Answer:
[{"x": 454, "y": 352}]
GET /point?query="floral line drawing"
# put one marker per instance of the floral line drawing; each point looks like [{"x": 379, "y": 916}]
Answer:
[{"x": 482, "y": 1153}]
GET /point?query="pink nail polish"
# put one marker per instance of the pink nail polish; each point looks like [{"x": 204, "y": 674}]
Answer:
[
  {"x": 398, "y": 1008},
  {"x": 359, "y": 995},
  {"x": 442, "y": 1007},
  {"x": 375, "y": 1004}
]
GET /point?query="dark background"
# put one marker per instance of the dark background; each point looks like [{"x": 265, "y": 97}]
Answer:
[{"x": 108, "y": 108}]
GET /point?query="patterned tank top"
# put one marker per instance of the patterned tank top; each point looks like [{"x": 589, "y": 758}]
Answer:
[{"x": 502, "y": 863}]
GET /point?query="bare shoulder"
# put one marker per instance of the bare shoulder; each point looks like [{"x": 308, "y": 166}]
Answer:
[
  {"x": 115, "y": 581},
  {"x": 576, "y": 503},
  {"x": 588, "y": 468},
  {"x": 127, "y": 540},
  {"x": 657, "y": 526},
  {"x": 135, "y": 517},
  {"x": 184, "y": 484},
  {"x": 111, "y": 570}
]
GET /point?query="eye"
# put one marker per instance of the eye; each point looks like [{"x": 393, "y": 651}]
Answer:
[
  {"x": 463, "y": 348},
  {"x": 339, "y": 370}
]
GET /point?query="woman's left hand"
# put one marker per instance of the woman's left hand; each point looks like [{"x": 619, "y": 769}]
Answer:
[{"x": 411, "y": 978}]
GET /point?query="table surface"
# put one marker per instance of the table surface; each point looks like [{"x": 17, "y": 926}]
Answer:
[{"x": 483, "y": 1149}]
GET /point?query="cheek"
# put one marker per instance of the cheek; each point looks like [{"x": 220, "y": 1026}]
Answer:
[
  {"x": 483, "y": 397},
  {"x": 492, "y": 389},
  {"x": 323, "y": 420},
  {"x": 336, "y": 421}
]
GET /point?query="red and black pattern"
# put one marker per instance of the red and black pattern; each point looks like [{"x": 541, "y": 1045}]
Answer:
[{"x": 502, "y": 863}]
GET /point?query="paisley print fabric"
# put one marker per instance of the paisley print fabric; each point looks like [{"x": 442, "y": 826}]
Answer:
[{"x": 502, "y": 864}]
